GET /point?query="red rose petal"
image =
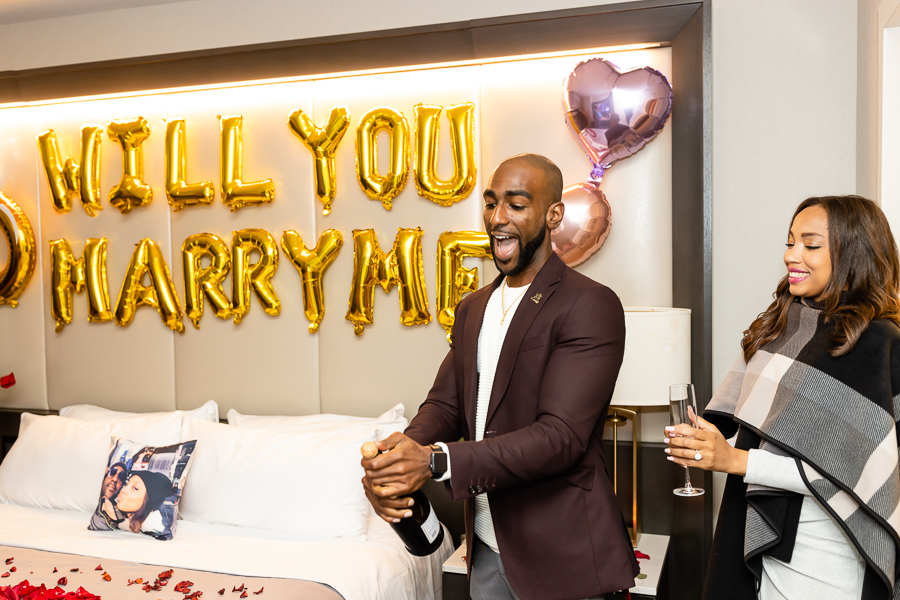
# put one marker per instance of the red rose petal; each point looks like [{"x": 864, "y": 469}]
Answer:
[
  {"x": 12, "y": 569},
  {"x": 259, "y": 592},
  {"x": 9, "y": 560},
  {"x": 98, "y": 568},
  {"x": 221, "y": 592},
  {"x": 244, "y": 594},
  {"x": 7, "y": 381},
  {"x": 55, "y": 570},
  {"x": 238, "y": 589},
  {"x": 165, "y": 574},
  {"x": 62, "y": 581},
  {"x": 5, "y": 574},
  {"x": 193, "y": 596},
  {"x": 75, "y": 570},
  {"x": 106, "y": 576}
]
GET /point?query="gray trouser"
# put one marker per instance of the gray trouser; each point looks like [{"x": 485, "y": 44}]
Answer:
[{"x": 489, "y": 580}]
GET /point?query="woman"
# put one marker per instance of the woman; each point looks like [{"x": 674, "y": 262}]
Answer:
[
  {"x": 811, "y": 507},
  {"x": 142, "y": 494}
]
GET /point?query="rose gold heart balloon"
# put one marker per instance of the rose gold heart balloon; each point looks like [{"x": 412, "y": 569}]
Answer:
[
  {"x": 613, "y": 114},
  {"x": 585, "y": 224}
]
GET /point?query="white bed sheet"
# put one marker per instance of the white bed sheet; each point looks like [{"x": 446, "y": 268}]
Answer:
[{"x": 379, "y": 568}]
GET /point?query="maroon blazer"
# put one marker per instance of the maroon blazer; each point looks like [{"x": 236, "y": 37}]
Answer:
[{"x": 558, "y": 524}]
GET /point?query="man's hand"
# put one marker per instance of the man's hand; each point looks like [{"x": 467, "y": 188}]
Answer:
[{"x": 401, "y": 469}]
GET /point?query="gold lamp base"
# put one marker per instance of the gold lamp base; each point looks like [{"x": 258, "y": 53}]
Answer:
[{"x": 618, "y": 416}]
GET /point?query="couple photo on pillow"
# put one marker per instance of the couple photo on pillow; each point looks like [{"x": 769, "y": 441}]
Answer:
[{"x": 141, "y": 488}]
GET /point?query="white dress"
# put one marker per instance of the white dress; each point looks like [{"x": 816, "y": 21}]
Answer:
[{"x": 825, "y": 564}]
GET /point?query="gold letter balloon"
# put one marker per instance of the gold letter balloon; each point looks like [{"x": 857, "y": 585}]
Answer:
[
  {"x": 178, "y": 191},
  {"x": 312, "y": 264},
  {"x": 323, "y": 143},
  {"x": 382, "y": 187},
  {"x": 454, "y": 279},
  {"x": 462, "y": 137},
  {"x": 160, "y": 294},
  {"x": 69, "y": 180},
  {"x": 131, "y": 191},
  {"x": 21, "y": 259},
  {"x": 68, "y": 276},
  {"x": 257, "y": 276},
  {"x": 200, "y": 281},
  {"x": 403, "y": 266},
  {"x": 236, "y": 193}
]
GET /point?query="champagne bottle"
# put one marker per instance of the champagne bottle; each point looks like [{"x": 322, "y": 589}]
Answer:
[{"x": 421, "y": 533}]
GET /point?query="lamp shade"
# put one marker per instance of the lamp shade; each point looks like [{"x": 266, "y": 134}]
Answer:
[{"x": 657, "y": 354}]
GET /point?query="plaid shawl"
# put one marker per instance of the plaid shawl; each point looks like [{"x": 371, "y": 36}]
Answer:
[{"x": 837, "y": 418}]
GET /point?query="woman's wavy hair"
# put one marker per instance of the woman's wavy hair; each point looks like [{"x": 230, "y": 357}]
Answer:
[{"x": 865, "y": 275}]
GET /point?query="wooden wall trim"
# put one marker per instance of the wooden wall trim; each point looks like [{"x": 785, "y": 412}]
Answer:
[{"x": 616, "y": 24}]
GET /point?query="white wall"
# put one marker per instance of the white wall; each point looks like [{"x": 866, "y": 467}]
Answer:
[
  {"x": 792, "y": 101},
  {"x": 201, "y": 24},
  {"x": 272, "y": 364}
]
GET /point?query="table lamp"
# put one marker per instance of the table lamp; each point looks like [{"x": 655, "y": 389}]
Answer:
[{"x": 657, "y": 354}]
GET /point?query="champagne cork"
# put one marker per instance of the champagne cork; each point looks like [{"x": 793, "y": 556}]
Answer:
[{"x": 369, "y": 450}]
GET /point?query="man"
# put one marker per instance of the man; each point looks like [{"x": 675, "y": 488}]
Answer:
[
  {"x": 113, "y": 482},
  {"x": 106, "y": 516},
  {"x": 527, "y": 382}
]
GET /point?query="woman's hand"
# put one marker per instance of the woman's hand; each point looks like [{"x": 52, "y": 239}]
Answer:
[{"x": 716, "y": 454}]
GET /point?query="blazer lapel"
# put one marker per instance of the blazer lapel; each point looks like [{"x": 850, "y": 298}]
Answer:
[
  {"x": 470, "y": 350},
  {"x": 531, "y": 304}
]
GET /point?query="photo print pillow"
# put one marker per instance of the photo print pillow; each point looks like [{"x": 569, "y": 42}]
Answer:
[{"x": 141, "y": 488}]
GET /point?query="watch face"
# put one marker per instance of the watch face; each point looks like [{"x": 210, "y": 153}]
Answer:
[{"x": 438, "y": 463}]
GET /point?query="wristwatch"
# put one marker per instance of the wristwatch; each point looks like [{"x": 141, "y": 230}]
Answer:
[{"x": 438, "y": 462}]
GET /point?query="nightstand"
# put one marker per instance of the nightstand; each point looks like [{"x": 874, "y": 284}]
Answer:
[
  {"x": 453, "y": 579},
  {"x": 456, "y": 586}
]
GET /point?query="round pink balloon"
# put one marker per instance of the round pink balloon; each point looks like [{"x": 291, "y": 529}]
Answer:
[
  {"x": 613, "y": 114},
  {"x": 585, "y": 223}
]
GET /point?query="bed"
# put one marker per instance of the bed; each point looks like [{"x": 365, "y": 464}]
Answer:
[{"x": 238, "y": 535}]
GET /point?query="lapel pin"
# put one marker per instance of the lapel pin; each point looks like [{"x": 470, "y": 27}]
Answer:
[{"x": 536, "y": 298}]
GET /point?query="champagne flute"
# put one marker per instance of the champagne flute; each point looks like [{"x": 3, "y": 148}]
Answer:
[{"x": 681, "y": 397}]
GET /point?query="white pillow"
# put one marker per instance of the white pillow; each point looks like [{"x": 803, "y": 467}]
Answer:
[
  {"x": 386, "y": 424},
  {"x": 58, "y": 462},
  {"x": 306, "y": 485},
  {"x": 88, "y": 412}
]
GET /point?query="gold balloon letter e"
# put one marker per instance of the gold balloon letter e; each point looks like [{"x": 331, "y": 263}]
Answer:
[{"x": 454, "y": 279}]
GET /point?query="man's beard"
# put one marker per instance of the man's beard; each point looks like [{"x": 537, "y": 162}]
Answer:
[{"x": 526, "y": 254}]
